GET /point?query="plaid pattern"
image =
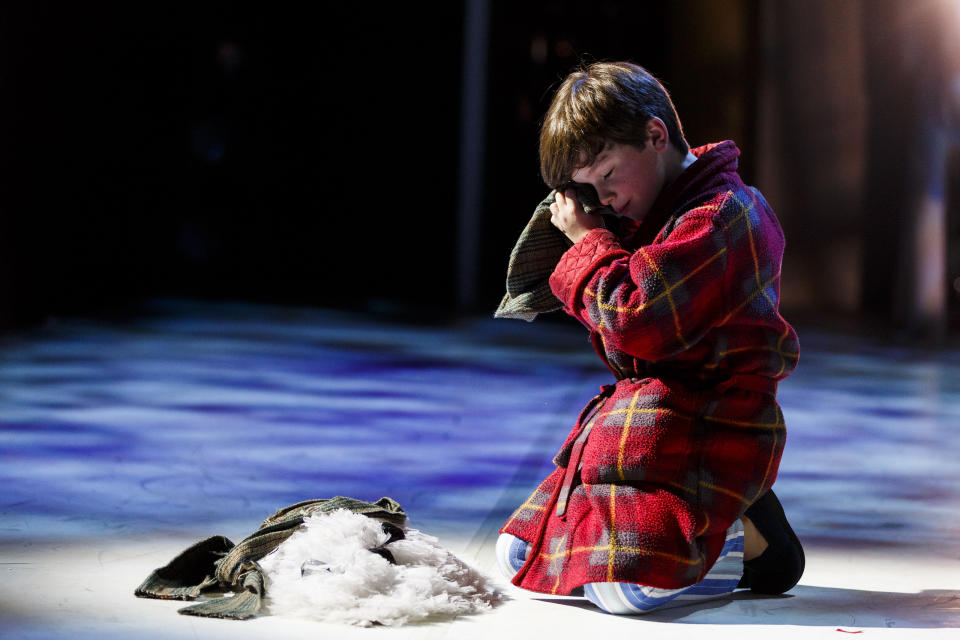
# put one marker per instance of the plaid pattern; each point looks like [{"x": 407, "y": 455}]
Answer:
[
  {"x": 626, "y": 598},
  {"x": 691, "y": 434}
]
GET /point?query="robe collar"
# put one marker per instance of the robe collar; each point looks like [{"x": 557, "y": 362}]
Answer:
[{"x": 712, "y": 173}]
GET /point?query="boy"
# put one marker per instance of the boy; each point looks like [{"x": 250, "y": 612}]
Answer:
[{"x": 661, "y": 493}]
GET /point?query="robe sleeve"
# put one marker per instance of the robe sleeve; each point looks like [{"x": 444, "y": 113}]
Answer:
[{"x": 652, "y": 303}]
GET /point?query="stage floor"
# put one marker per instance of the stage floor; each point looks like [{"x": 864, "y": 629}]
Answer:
[{"x": 124, "y": 441}]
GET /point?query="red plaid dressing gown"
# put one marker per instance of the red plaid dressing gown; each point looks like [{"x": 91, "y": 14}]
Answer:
[{"x": 684, "y": 310}]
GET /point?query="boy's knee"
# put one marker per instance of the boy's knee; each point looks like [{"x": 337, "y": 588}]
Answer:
[
  {"x": 628, "y": 599},
  {"x": 511, "y": 554},
  {"x": 609, "y": 597}
]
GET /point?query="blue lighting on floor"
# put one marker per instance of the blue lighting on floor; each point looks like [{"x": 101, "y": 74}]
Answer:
[{"x": 204, "y": 418}]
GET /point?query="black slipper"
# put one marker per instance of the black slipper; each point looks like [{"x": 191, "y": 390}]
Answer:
[{"x": 779, "y": 567}]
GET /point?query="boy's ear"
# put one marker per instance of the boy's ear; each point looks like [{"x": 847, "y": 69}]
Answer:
[{"x": 657, "y": 135}]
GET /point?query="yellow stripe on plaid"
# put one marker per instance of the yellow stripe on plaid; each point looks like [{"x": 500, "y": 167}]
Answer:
[
  {"x": 526, "y": 505},
  {"x": 669, "y": 412},
  {"x": 667, "y": 290},
  {"x": 756, "y": 271},
  {"x": 744, "y": 212},
  {"x": 753, "y": 248},
  {"x": 778, "y": 349},
  {"x": 773, "y": 453},
  {"x": 774, "y": 428},
  {"x": 677, "y": 485},
  {"x": 612, "y": 548},
  {"x": 752, "y": 425},
  {"x": 625, "y": 432},
  {"x": 559, "y": 569},
  {"x": 609, "y": 307},
  {"x": 750, "y": 299},
  {"x": 706, "y": 524},
  {"x": 613, "y": 531},
  {"x": 603, "y": 341},
  {"x": 709, "y": 208},
  {"x": 714, "y": 487},
  {"x": 544, "y": 555},
  {"x": 783, "y": 360},
  {"x": 732, "y": 494}
]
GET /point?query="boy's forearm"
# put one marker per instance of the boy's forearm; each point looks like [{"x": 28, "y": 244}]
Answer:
[{"x": 652, "y": 303}]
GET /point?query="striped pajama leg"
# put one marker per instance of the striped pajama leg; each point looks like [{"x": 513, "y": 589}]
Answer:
[
  {"x": 625, "y": 598},
  {"x": 511, "y": 554}
]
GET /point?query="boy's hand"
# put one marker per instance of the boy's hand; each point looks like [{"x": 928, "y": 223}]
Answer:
[{"x": 569, "y": 216}]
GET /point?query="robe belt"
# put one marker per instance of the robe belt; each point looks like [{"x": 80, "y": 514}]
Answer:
[
  {"x": 577, "y": 452},
  {"x": 572, "y": 466},
  {"x": 760, "y": 384}
]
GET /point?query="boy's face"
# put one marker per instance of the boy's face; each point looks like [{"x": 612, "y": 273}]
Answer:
[{"x": 626, "y": 177}]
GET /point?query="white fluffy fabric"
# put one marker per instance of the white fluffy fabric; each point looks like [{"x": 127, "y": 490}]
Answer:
[{"x": 326, "y": 571}]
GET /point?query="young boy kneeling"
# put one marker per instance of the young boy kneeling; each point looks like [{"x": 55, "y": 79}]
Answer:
[{"x": 661, "y": 493}]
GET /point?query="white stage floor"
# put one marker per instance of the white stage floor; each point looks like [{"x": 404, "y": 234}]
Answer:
[{"x": 122, "y": 442}]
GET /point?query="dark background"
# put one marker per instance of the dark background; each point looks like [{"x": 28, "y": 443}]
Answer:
[
  {"x": 225, "y": 151},
  {"x": 310, "y": 156}
]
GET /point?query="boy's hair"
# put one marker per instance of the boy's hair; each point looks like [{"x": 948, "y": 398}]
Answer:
[{"x": 606, "y": 101}]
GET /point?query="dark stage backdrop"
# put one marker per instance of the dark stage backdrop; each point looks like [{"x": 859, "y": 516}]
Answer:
[
  {"x": 703, "y": 52},
  {"x": 235, "y": 151},
  {"x": 299, "y": 155}
]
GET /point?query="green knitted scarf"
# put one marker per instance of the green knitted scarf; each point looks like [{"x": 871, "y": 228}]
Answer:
[
  {"x": 535, "y": 256},
  {"x": 216, "y": 565}
]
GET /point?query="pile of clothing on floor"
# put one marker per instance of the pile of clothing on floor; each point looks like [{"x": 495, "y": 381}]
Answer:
[{"x": 334, "y": 560}]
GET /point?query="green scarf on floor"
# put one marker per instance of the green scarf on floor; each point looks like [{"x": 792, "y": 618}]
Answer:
[{"x": 217, "y": 565}]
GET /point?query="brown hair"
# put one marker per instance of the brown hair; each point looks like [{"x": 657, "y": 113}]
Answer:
[{"x": 605, "y": 101}]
